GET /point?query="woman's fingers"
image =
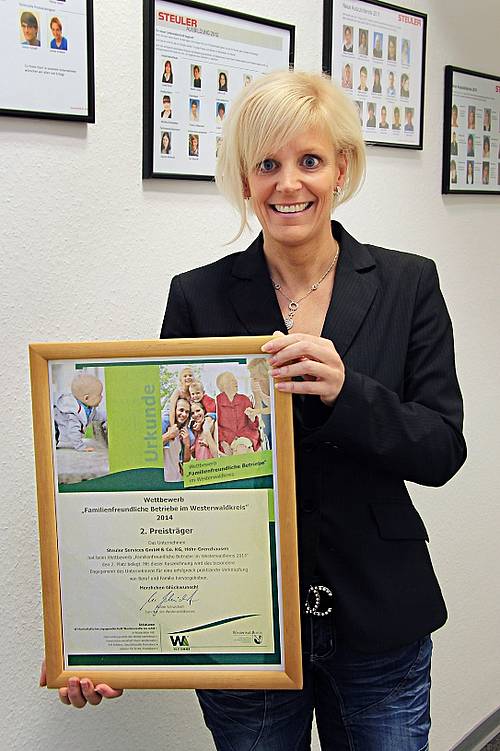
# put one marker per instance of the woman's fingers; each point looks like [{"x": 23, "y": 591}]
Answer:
[
  {"x": 107, "y": 692},
  {"x": 43, "y": 675}
]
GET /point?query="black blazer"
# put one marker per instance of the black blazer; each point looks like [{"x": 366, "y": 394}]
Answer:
[{"x": 398, "y": 417}]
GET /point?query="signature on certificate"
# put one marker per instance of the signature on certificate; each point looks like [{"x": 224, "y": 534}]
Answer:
[{"x": 159, "y": 600}]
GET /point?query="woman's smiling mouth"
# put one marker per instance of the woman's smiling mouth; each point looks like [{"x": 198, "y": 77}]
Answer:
[{"x": 291, "y": 208}]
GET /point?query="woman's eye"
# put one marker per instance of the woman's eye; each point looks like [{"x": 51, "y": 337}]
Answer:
[
  {"x": 310, "y": 161},
  {"x": 267, "y": 165}
]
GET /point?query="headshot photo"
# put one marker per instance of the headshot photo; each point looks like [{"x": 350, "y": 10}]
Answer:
[
  {"x": 454, "y": 116},
  {"x": 166, "y": 112},
  {"x": 405, "y": 85},
  {"x": 222, "y": 86},
  {"x": 409, "y": 128},
  {"x": 486, "y": 147},
  {"x": 363, "y": 77},
  {"x": 168, "y": 75},
  {"x": 487, "y": 119},
  {"x": 453, "y": 172},
  {"x": 470, "y": 145},
  {"x": 29, "y": 29},
  {"x": 247, "y": 79},
  {"x": 392, "y": 48},
  {"x": 383, "y": 118},
  {"x": 59, "y": 42},
  {"x": 166, "y": 142},
  {"x": 469, "y": 175},
  {"x": 347, "y": 39},
  {"x": 471, "y": 117},
  {"x": 377, "y": 84},
  {"x": 220, "y": 112},
  {"x": 196, "y": 76},
  {"x": 405, "y": 51},
  {"x": 363, "y": 42},
  {"x": 391, "y": 88},
  {"x": 193, "y": 144},
  {"x": 371, "y": 120},
  {"x": 485, "y": 173},
  {"x": 347, "y": 76},
  {"x": 454, "y": 144},
  {"x": 378, "y": 39},
  {"x": 396, "y": 119},
  {"x": 194, "y": 110}
]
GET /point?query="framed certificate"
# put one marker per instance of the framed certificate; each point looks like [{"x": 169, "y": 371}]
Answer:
[
  {"x": 48, "y": 50},
  {"x": 197, "y": 59},
  {"x": 471, "y": 132},
  {"x": 376, "y": 53},
  {"x": 166, "y": 504}
]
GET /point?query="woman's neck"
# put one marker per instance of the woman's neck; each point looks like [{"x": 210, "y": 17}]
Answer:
[{"x": 298, "y": 268}]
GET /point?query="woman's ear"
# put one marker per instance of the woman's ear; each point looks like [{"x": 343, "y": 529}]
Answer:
[{"x": 342, "y": 161}]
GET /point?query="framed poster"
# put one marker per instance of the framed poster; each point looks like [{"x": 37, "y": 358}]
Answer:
[
  {"x": 471, "y": 132},
  {"x": 167, "y": 514},
  {"x": 48, "y": 50},
  {"x": 376, "y": 53},
  {"x": 197, "y": 58}
]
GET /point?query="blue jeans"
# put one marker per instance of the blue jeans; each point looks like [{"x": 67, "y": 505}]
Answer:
[{"x": 362, "y": 702}]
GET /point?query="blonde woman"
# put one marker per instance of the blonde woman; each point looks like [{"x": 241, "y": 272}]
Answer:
[{"x": 369, "y": 354}]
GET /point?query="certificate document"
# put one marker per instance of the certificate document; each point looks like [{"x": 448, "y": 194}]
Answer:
[{"x": 166, "y": 502}]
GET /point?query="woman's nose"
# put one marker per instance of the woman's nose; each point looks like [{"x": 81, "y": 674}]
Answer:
[{"x": 289, "y": 178}]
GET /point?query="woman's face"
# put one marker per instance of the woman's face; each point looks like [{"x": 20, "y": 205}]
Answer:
[
  {"x": 165, "y": 141},
  {"x": 363, "y": 39},
  {"x": 405, "y": 84},
  {"x": 194, "y": 143},
  {"x": 222, "y": 80},
  {"x": 182, "y": 411},
  {"x": 471, "y": 118},
  {"x": 168, "y": 69},
  {"x": 56, "y": 31},
  {"x": 469, "y": 169},
  {"x": 376, "y": 77},
  {"x": 362, "y": 79},
  {"x": 392, "y": 49},
  {"x": 291, "y": 190},
  {"x": 197, "y": 414}
]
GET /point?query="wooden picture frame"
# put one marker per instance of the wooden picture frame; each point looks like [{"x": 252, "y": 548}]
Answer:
[
  {"x": 376, "y": 53},
  {"x": 94, "y": 523},
  {"x": 50, "y": 77},
  {"x": 471, "y": 133},
  {"x": 197, "y": 58}
]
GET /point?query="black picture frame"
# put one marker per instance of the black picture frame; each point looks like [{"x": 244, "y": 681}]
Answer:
[
  {"x": 468, "y": 92},
  {"x": 385, "y": 135},
  {"x": 149, "y": 72},
  {"x": 89, "y": 117}
]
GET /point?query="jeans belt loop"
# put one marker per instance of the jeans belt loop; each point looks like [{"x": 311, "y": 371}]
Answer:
[{"x": 315, "y": 592}]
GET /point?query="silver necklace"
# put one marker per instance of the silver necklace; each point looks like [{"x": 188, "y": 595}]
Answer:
[{"x": 293, "y": 305}]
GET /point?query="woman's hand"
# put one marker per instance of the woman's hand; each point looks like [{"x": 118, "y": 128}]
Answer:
[
  {"x": 184, "y": 436},
  {"x": 81, "y": 691},
  {"x": 311, "y": 357}
]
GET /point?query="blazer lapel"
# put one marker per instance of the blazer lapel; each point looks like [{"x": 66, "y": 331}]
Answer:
[
  {"x": 353, "y": 292},
  {"x": 252, "y": 294}
]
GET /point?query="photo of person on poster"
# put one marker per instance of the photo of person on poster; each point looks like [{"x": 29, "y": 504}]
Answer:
[
  {"x": 29, "y": 29},
  {"x": 165, "y": 142},
  {"x": 391, "y": 89},
  {"x": 392, "y": 49},
  {"x": 166, "y": 112},
  {"x": 470, "y": 173},
  {"x": 453, "y": 172},
  {"x": 396, "y": 119},
  {"x": 347, "y": 39},
  {"x": 471, "y": 118},
  {"x": 454, "y": 144},
  {"x": 487, "y": 119},
  {"x": 194, "y": 110},
  {"x": 405, "y": 86},
  {"x": 485, "y": 174},
  {"x": 58, "y": 42},
  {"x": 196, "y": 76},
  {"x": 454, "y": 116},
  {"x": 222, "y": 81},
  {"x": 409, "y": 128},
  {"x": 405, "y": 51},
  {"x": 383, "y": 118},
  {"x": 220, "y": 112},
  {"x": 194, "y": 144},
  {"x": 470, "y": 145},
  {"x": 371, "y": 121},
  {"x": 177, "y": 439},
  {"x": 363, "y": 78},
  {"x": 486, "y": 147},
  {"x": 377, "y": 84},
  {"x": 347, "y": 77},
  {"x": 363, "y": 42},
  {"x": 168, "y": 75},
  {"x": 378, "y": 39}
]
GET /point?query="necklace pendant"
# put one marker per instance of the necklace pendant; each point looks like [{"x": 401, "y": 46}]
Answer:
[
  {"x": 292, "y": 306},
  {"x": 288, "y": 323}
]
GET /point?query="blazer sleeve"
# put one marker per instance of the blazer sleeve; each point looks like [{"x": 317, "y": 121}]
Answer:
[
  {"x": 417, "y": 437},
  {"x": 177, "y": 322}
]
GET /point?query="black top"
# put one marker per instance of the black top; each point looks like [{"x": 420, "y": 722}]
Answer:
[{"x": 398, "y": 417}]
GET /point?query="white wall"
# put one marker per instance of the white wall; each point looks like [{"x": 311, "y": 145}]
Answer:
[{"x": 88, "y": 250}]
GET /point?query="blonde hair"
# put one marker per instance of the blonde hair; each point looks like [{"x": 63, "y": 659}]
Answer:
[{"x": 274, "y": 110}]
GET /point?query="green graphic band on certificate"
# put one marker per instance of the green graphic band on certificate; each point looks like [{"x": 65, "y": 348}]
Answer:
[{"x": 166, "y": 510}]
